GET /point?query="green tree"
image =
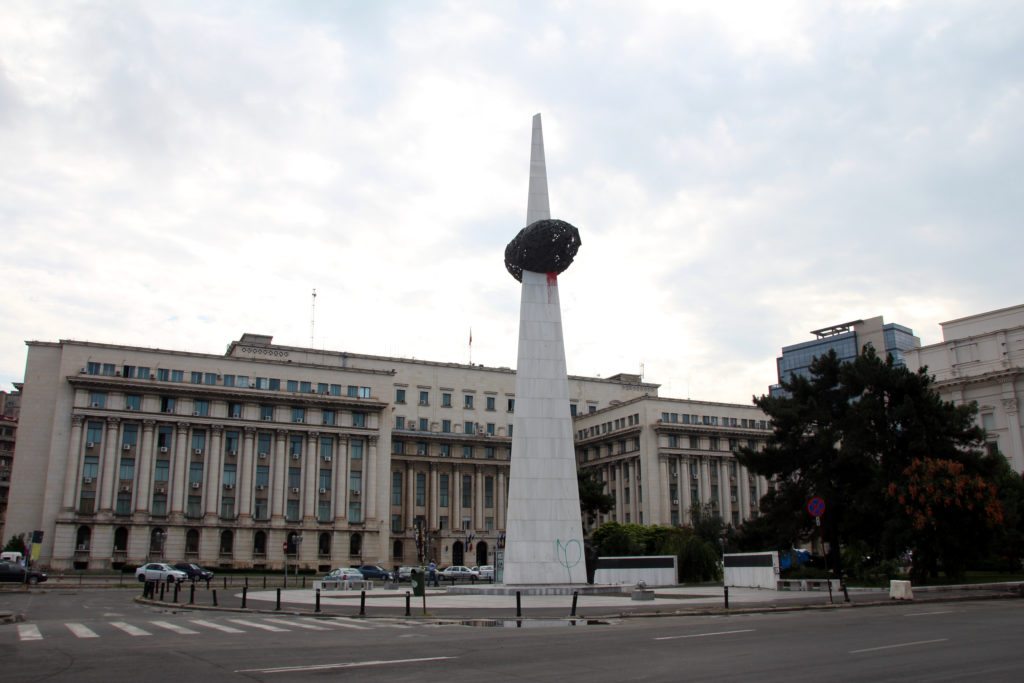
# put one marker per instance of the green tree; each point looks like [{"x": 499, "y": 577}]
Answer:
[
  {"x": 16, "y": 544},
  {"x": 844, "y": 433},
  {"x": 593, "y": 499}
]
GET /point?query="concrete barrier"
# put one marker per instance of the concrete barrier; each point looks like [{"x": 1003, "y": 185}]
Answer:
[
  {"x": 900, "y": 590},
  {"x": 751, "y": 570}
]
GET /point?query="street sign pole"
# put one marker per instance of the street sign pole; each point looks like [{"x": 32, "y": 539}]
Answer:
[{"x": 816, "y": 508}]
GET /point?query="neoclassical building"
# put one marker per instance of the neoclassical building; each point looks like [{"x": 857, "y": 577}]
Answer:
[{"x": 981, "y": 359}]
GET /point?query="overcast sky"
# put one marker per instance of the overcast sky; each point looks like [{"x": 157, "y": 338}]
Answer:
[{"x": 173, "y": 174}]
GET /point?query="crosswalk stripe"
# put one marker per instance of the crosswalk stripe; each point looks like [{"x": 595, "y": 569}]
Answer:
[
  {"x": 392, "y": 623},
  {"x": 300, "y": 624},
  {"x": 254, "y": 624},
  {"x": 174, "y": 627},
  {"x": 129, "y": 629},
  {"x": 216, "y": 626},
  {"x": 29, "y": 632},
  {"x": 346, "y": 623},
  {"x": 81, "y": 631}
]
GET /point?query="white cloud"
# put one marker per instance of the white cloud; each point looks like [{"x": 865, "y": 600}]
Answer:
[{"x": 176, "y": 174}]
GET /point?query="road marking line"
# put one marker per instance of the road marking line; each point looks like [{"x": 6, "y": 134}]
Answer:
[
  {"x": 925, "y": 614},
  {"x": 349, "y": 665},
  {"x": 346, "y": 623},
  {"x": 392, "y": 623},
  {"x": 889, "y": 647},
  {"x": 174, "y": 627},
  {"x": 129, "y": 629},
  {"x": 254, "y": 624},
  {"x": 29, "y": 632},
  {"x": 81, "y": 631},
  {"x": 219, "y": 627},
  {"x": 704, "y": 635},
  {"x": 300, "y": 624}
]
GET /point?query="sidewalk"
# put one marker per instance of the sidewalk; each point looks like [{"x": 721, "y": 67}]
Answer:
[{"x": 668, "y": 601}]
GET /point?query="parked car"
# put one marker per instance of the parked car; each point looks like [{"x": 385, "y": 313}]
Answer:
[
  {"x": 457, "y": 571},
  {"x": 405, "y": 573},
  {"x": 160, "y": 571},
  {"x": 194, "y": 571},
  {"x": 485, "y": 572},
  {"x": 374, "y": 573},
  {"x": 344, "y": 574},
  {"x": 15, "y": 573}
]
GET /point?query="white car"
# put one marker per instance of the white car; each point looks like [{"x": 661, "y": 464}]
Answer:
[
  {"x": 457, "y": 571},
  {"x": 485, "y": 572},
  {"x": 344, "y": 574},
  {"x": 160, "y": 571}
]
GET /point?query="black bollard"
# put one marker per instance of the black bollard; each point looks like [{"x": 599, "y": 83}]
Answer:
[
  {"x": 519, "y": 604},
  {"x": 264, "y": 582},
  {"x": 225, "y": 583},
  {"x": 303, "y": 581},
  {"x": 176, "y": 585},
  {"x": 192, "y": 594},
  {"x": 278, "y": 600},
  {"x": 726, "y": 597},
  {"x": 163, "y": 586},
  {"x": 575, "y": 594},
  {"x": 247, "y": 582},
  {"x": 362, "y": 603},
  {"x": 245, "y": 591},
  {"x": 317, "y": 600},
  {"x": 207, "y": 584},
  {"x": 214, "y": 597}
]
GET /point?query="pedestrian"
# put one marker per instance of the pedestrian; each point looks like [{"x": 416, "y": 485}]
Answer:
[{"x": 432, "y": 573}]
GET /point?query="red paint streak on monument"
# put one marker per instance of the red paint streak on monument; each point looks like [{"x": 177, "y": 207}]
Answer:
[{"x": 552, "y": 282}]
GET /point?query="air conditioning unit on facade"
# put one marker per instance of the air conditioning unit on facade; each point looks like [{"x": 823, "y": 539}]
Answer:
[
  {"x": 260, "y": 487},
  {"x": 354, "y": 492},
  {"x": 126, "y": 447},
  {"x": 732, "y": 499},
  {"x": 96, "y": 405},
  {"x": 168, "y": 410},
  {"x": 195, "y": 413},
  {"x": 675, "y": 501},
  {"x": 262, "y": 456},
  {"x": 267, "y": 417},
  {"x": 125, "y": 488},
  {"x": 161, "y": 489},
  {"x": 327, "y": 458},
  {"x": 198, "y": 451},
  {"x": 196, "y": 484},
  {"x": 296, "y": 456},
  {"x": 693, "y": 475},
  {"x": 236, "y": 415},
  {"x": 229, "y": 487},
  {"x": 90, "y": 444},
  {"x": 86, "y": 480},
  {"x": 163, "y": 449},
  {"x": 323, "y": 490},
  {"x": 299, "y": 420},
  {"x": 128, "y": 408},
  {"x": 295, "y": 489},
  {"x": 233, "y": 454}
]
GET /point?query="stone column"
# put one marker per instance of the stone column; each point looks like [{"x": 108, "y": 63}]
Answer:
[
  {"x": 370, "y": 465},
  {"x": 500, "y": 503},
  {"x": 478, "y": 518},
  {"x": 705, "y": 481},
  {"x": 73, "y": 471},
  {"x": 310, "y": 493},
  {"x": 246, "y": 478},
  {"x": 179, "y": 467},
  {"x": 434, "y": 501},
  {"x": 340, "y": 482},
  {"x": 685, "y": 481},
  {"x": 1016, "y": 449},
  {"x": 144, "y": 472},
  {"x": 279, "y": 477},
  {"x": 212, "y": 473},
  {"x": 410, "y": 501},
  {"x": 742, "y": 492},
  {"x": 108, "y": 466},
  {"x": 664, "y": 490}
]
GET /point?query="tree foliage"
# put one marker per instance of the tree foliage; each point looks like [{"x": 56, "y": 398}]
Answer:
[
  {"x": 16, "y": 544},
  {"x": 846, "y": 433},
  {"x": 698, "y": 560},
  {"x": 593, "y": 499}
]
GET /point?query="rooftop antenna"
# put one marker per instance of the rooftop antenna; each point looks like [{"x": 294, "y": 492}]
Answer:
[{"x": 312, "y": 319}]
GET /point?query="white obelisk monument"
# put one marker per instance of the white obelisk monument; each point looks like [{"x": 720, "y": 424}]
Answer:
[{"x": 544, "y": 532}]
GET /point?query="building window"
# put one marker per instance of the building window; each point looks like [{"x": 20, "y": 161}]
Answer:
[
  {"x": 227, "y": 542},
  {"x": 424, "y": 398},
  {"x": 266, "y": 412},
  {"x": 399, "y": 395},
  {"x": 133, "y": 402},
  {"x": 355, "y": 513},
  {"x": 467, "y": 491},
  {"x": 355, "y": 482},
  {"x": 298, "y": 415},
  {"x": 444, "y": 450},
  {"x": 229, "y": 474},
  {"x": 329, "y": 417},
  {"x": 323, "y": 511},
  {"x": 468, "y": 428},
  {"x": 260, "y": 510},
  {"x": 159, "y": 504},
  {"x": 424, "y": 424},
  {"x": 421, "y": 489},
  {"x": 467, "y": 451},
  {"x": 306, "y": 387},
  {"x": 98, "y": 399},
  {"x": 124, "y": 504},
  {"x": 489, "y": 452},
  {"x": 396, "y": 489},
  {"x": 295, "y": 445},
  {"x": 91, "y": 467},
  {"x": 399, "y": 422},
  {"x": 490, "y": 403},
  {"x": 355, "y": 451},
  {"x": 294, "y": 477},
  {"x": 488, "y": 492},
  {"x": 127, "y": 472},
  {"x": 194, "y": 507},
  {"x": 259, "y": 543},
  {"x": 292, "y": 510},
  {"x": 325, "y": 480},
  {"x": 490, "y": 429},
  {"x": 443, "y": 490},
  {"x": 467, "y": 401},
  {"x": 511, "y": 405},
  {"x": 446, "y": 400},
  {"x": 161, "y": 470},
  {"x": 195, "y": 473},
  {"x": 201, "y": 407},
  {"x": 358, "y": 419},
  {"x": 398, "y": 447}
]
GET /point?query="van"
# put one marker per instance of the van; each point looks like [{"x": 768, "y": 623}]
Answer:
[{"x": 11, "y": 556}]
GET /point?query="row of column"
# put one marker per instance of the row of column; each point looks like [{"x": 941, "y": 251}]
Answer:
[
  {"x": 433, "y": 493},
  {"x": 144, "y": 454}
]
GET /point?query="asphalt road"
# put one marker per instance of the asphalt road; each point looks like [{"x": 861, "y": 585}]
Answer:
[{"x": 87, "y": 636}]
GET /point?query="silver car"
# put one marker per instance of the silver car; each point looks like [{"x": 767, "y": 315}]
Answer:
[{"x": 160, "y": 571}]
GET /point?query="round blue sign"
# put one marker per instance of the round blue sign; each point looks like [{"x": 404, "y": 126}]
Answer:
[{"x": 816, "y": 506}]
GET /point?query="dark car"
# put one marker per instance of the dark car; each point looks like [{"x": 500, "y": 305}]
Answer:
[
  {"x": 194, "y": 571},
  {"x": 15, "y": 573},
  {"x": 372, "y": 572}
]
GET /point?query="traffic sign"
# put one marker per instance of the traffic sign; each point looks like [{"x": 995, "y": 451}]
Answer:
[{"x": 816, "y": 506}]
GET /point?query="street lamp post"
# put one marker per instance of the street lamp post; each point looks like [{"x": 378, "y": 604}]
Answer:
[
  {"x": 297, "y": 539},
  {"x": 158, "y": 537}
]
